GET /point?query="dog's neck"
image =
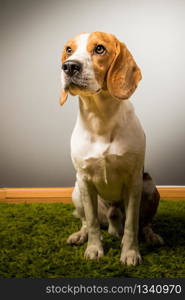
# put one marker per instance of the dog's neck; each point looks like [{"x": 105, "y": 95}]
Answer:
[{"x": 100, "y": 113}]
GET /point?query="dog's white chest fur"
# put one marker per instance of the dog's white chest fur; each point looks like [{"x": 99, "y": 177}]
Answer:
[{"x": 107, "y": 160}]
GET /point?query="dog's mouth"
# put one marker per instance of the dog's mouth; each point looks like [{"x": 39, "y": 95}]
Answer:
[{"x": 75, "y": 84}]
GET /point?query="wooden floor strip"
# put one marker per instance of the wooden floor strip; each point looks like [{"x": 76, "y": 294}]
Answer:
[
  {"x": 2, "y": 194},
  {"x": 60, "y": 194},
  {"x": 172, "y": 193}
]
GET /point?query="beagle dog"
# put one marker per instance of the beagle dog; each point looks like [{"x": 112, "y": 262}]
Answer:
[{"x": 107, "y": 146}]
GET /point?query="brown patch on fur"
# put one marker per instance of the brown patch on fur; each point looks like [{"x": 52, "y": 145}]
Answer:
[
  {"x": 149, "y": 201},
  {"x": 123, "y": 75},
  {"x": 72, "y": 44},
  {"x": 146, "y": 176},
  {"x": 115, "y": 69},
  {"x": 101, "y": 63},
  {"x": 63, "y": 96}
]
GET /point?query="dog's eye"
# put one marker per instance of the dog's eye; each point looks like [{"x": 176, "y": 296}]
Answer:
[
  {"x": 99, "y": 49},
  {"x": 68, "y": 50}
]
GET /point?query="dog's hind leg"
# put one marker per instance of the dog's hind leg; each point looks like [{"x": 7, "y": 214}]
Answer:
[
  {"x": 110, "y": 217},
  {"x": 149, "y": 204},
  {"x": 103, "y": 208},
  {"x": 116, "y": 221}
]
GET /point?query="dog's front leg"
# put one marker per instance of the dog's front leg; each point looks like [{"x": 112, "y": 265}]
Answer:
[
  {"x": 130, "y": 254},
  {"x": 88, "y": 194}
]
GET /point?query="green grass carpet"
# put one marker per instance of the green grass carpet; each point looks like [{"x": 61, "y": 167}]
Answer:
[{"x": 33, "y": 244}]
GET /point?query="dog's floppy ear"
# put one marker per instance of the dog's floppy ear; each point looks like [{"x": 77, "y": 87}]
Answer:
[
  {"x": 63, "y": 96},
  {"x": 123, "y": 75}
]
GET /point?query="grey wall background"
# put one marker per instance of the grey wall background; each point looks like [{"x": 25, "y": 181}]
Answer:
[{"x": 35, "y": 131}]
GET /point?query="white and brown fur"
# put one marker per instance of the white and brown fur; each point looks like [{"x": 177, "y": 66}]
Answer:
[{"x": 108, "y": 147}]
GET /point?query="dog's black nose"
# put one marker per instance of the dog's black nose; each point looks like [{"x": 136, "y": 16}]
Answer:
[{"x": 72, "y": 67}]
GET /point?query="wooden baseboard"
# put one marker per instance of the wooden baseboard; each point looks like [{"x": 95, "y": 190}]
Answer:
[
  {"x": 2, "y": 194},
  {"x": 58, "y": 192},
  {"x": 172, "y": 192},
  {"x": 36, "y": 195},
  {"x": 63, "y": 194}
]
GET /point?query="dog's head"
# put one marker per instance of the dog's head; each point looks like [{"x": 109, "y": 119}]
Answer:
[{"x": 92, "y": 62}]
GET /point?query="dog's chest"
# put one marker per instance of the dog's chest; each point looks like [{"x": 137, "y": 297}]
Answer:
[
  {"x": 107, "y": 166},
  {"x": 109, "y": 159}
]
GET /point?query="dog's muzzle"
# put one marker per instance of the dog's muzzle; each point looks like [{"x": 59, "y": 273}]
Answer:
[{"x": 72, "y": 67}]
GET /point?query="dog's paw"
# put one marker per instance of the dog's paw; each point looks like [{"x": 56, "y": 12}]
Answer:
[
  {"x": 154, "y": 239},
  {"x": 151, "y": 237},
  {"x": 93, "y": 252},
  {"x": 131, "y": 257},
  {"x": 77, "y": 238}
]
